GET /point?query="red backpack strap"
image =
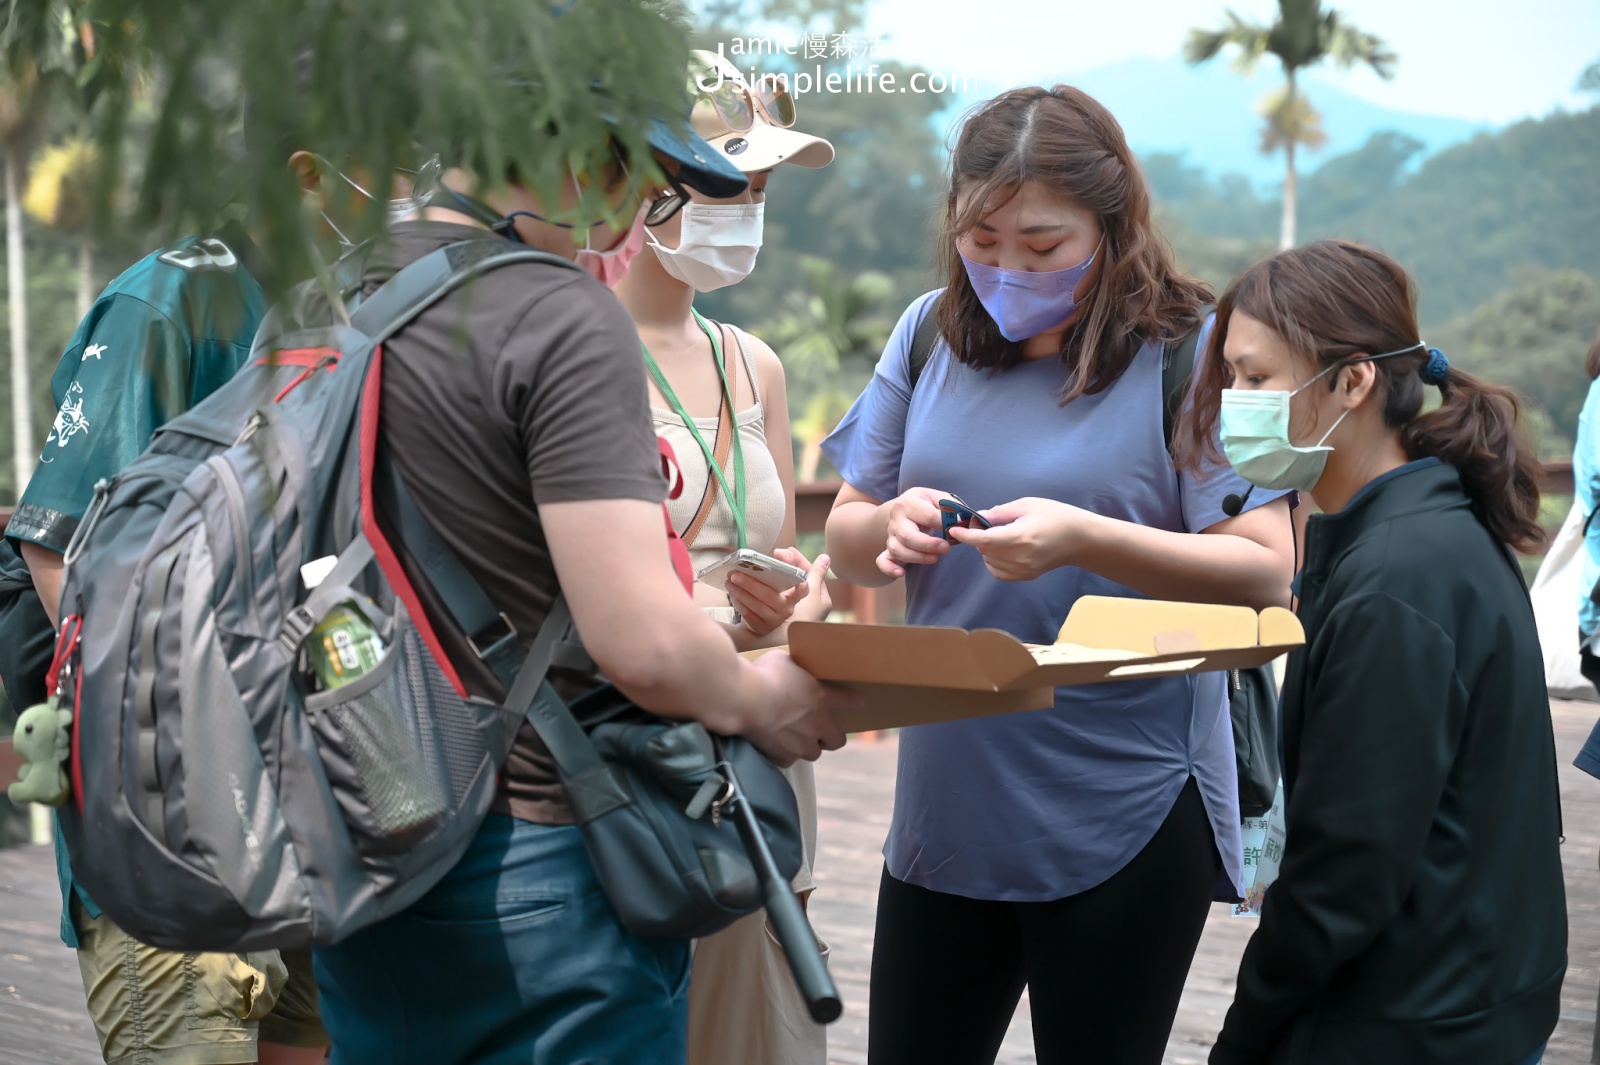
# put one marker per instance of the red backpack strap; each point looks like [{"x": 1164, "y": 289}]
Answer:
[{"x": 674, "y": 475}]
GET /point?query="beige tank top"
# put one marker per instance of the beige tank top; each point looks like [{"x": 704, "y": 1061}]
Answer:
[
  {"x": 764, "y": 498},
  {"x": 764, "y": 512}
]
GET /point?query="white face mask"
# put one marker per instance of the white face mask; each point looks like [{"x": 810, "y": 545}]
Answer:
[{"x": 717, "y": 246}]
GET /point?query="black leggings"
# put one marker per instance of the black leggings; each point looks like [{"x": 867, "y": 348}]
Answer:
[{"x": 1104, "y": 968}]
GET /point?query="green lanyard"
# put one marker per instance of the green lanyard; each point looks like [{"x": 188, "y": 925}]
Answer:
[{"x": 735, "y": 494}]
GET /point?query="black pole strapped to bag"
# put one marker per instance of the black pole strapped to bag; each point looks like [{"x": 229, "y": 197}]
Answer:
[{"x": 788, "y": 920}]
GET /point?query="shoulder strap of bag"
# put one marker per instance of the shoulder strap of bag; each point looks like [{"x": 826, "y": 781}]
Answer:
[
  {"x": 726, "y": 427},
  {"x": 399, "y": 300},
  {"x": 924, "y": 340},
  {"x": 593, "y": 788},
  {"x": 419, "y": 285},
  {"x": 1177, "y": 365}
]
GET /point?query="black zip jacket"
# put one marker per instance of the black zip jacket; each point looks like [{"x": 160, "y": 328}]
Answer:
[{"x": 1419, "y": 914}]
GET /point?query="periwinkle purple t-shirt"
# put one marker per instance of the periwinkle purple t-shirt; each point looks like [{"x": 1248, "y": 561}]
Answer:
[{"x": 1036, "y": 806}]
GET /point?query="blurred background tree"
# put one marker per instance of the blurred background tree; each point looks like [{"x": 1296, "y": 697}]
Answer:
[
  {"x": 1502, "y": 232},
  {"x": 60, "y": 195},
  {"x": 157, "y": 94},
  {"x": 1533, "y": 336},
  {"x": 1303, "y": 35},
  {"x": 41, "y": 56},
  {"x": 831, "y": 335}
]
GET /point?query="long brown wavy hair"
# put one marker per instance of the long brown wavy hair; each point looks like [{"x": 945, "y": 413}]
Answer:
[
  {"x": 1333, "y": 299},
  {"x": 1064, "y": 140}
]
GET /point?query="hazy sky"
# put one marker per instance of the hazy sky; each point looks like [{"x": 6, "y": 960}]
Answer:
[{"x": 1489, "y": 61}]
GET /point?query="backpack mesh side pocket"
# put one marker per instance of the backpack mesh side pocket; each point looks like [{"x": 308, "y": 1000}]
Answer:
[{"x": 383, "y": 767}]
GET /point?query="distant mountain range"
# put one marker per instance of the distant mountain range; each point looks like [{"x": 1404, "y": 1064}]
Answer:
[{"x": 1208, "y": 113}]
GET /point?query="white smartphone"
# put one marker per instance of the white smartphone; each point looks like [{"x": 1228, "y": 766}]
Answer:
[{"x": 764, "y": 568}]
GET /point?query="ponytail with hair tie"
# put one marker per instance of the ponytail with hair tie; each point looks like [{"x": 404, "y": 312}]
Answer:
[
  {"x": 1434, "y": 370},
  {"x": 1331, "y": 300}
]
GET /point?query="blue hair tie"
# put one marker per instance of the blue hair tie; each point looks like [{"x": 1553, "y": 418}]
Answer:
[{"x": 1434, "y": 370}]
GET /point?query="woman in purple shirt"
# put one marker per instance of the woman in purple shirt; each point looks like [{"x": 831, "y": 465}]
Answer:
[{"x": 1074, "y": 850}]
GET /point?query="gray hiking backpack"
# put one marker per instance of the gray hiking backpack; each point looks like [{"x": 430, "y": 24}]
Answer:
[{"x": 204, "y": 764}]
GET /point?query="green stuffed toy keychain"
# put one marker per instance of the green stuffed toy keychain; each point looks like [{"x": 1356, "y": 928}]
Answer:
[{"x": 41, "y": 738}]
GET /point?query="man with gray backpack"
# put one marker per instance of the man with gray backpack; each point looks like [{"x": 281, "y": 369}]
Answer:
[
  {"x": 303, "y": 629},
  {"x": 516, "y": 413}
]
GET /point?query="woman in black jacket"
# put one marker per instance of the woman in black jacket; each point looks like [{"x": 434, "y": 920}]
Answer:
[{"x": 1419, "y": 914}]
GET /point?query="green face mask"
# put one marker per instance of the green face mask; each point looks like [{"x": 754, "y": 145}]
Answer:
[{"x": 1255, "y": 434}]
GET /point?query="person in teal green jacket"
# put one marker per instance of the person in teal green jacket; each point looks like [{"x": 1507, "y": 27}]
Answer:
[{"x": 163, "y": 335}]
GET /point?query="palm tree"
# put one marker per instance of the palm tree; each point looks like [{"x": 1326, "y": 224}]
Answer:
[
  {"x": 1303, "y": 35},
  {"x": 61, "y": 195},
  {"x": 829, "y": 339}
]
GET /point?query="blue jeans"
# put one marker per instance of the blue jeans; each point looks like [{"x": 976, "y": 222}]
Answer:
[{"x": 514, "y": 957}]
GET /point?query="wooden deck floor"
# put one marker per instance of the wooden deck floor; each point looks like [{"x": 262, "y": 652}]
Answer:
[{"x": 42, "y": 1018}]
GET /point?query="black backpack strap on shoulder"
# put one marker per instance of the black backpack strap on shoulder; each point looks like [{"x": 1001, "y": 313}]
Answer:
[
  {"x": 1177, "y": 366},
  {"x": 489, "y": 633},
  {"x": 925, "y": 339},
  {"x": 420, "y": 284},
  {"x": 593, "y": 787}
]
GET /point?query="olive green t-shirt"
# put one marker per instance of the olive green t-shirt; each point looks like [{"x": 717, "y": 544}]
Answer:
[{"x": 523, "y": 387}]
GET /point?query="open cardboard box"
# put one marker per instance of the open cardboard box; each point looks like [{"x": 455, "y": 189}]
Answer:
[{"x": 914, "y": 675}]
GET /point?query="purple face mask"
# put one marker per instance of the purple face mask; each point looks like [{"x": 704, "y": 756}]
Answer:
[{"x": 1025, "y": 304}]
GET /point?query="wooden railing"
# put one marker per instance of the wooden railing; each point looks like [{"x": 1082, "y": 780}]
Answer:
[{"x": 1558, "y": 478}]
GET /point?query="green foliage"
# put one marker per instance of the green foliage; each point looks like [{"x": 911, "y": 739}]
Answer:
[
  {"x": 1226, "y": 206},
  {"x": 1533, "y": 337},
  {"x": 1302, "y": 35},
  {"x": 1215, "y": 260},
  {"x": 1349, "y": 183},
  {"x": 497, "y": 86},
  {"x": 52, "y": 283},
  {"x": 831, "y": 334},
  {"x": 1528, "y": 195}
]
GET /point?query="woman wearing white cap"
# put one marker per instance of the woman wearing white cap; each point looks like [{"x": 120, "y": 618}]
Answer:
[{"x": 718, "y": 396}]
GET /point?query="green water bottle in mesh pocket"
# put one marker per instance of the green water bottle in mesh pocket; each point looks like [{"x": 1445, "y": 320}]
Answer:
[{"x": 343, "y": 647}]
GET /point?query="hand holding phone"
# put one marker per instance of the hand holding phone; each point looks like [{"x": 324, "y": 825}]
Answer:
[
  {"x": 774, "y": 573},
  {"x": 954, "y": 514}
]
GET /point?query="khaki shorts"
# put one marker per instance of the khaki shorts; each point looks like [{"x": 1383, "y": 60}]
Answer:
[{"x": 162, "y": 1007}]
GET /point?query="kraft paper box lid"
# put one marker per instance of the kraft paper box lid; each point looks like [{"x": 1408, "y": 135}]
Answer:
[{"x": 912, "y": 675}]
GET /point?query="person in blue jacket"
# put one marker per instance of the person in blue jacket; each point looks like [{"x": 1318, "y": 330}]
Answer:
[
  {"x": 1586, "y": 486},
  {"x": 1419, "y": 914}
]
